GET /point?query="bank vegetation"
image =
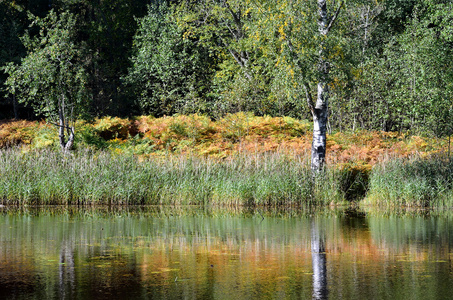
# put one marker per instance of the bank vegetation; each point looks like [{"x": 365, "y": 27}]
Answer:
[{"x": 240, "y": 159}]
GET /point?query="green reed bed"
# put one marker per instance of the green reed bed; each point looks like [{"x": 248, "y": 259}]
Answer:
[
  {"x": 418, "y": 182},
  {"x": 85, "y": 177}
]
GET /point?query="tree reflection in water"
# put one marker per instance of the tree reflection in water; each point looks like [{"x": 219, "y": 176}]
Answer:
[
  {"x": 318, "y": 254},
  {"x": 66, "y": 271}
]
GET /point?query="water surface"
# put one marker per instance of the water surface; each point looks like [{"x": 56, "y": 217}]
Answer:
[{"x": 193, "y": 253}]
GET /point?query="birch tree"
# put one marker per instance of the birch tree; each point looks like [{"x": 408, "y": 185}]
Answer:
[
  {"x": 319, "y": 109},
  {"x": 52, "y": 78},
  {"x": 308, "y": 51}
]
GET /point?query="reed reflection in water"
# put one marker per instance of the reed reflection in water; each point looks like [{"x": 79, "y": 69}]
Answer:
[{"x": 190, "y": 253}]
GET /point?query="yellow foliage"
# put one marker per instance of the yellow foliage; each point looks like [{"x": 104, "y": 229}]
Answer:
[
  {"x": 19, "y": 132},
  {"x": 110, "y": 128},
  {"x": 240, "y": 132}
]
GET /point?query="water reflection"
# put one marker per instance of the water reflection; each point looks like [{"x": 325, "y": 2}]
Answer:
[
  {"x": 319, "y": 260},
  {"x": 66, "y": 271},
  {"x": 174, "y": 253}
]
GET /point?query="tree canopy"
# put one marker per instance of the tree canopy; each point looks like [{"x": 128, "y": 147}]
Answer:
[{"x": 388, "y": 61}]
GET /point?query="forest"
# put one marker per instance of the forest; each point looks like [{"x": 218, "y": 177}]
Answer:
[{"x": 387, "y": 63}]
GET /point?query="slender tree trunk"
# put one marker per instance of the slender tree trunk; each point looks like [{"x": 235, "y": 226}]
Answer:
[
  {"x": 15, "y": 109},
  {"x": 62, "y": 126},
  {"x": 320, "y": 110},
  {"x": 365, "y": 37},
  {"x": 70, "y": 141},
  {"x": 320, "y": 116}
]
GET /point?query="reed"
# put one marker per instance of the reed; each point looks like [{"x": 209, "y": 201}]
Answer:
[
  {"x": 98, "y": 177},
  {"x": 415, "y": 182}
]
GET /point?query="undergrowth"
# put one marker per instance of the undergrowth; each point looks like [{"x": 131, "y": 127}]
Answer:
[{"x": 234, "y": 134}]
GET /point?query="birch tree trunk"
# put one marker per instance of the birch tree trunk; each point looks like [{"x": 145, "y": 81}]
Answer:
[
  {"x": 320, "y": 109},
  {"x": 62, "y": 126},
  {"x": 320, "y": 117}
]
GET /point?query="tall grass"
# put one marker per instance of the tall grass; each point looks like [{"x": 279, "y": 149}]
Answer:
[
  {"x": 49, "y": 177},
  {"x": 417, "y": 182}
]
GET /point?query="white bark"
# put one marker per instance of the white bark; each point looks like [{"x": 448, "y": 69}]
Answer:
[
  {"x": 320, "y": 116},
  {"x": 62, "y": 126},
  {"x": 320, "y": 109}
]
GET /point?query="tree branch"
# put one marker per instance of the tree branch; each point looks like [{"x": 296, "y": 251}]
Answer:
[
  {"x": 232, "y": 31},
  {"x": 238, "y": 59},
  {"x": 334, "y": 17},
  {"x": 61, "y": 126},
  {"x": 237, "y": 20}
]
